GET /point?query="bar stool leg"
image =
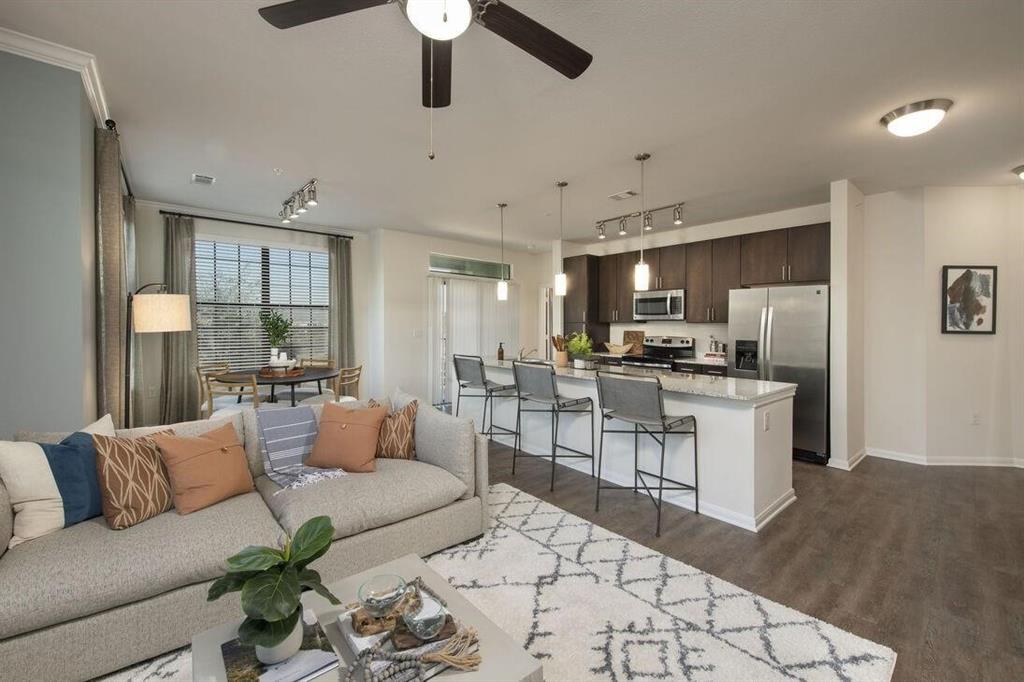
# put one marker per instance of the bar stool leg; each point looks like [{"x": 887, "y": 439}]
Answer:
[
  {"x": 515, "y": 448},
  {"x": 636, "y": 457},
  {"x": 591, "y": 438},
  {"x": 483, "y": 419},
  {"x": 696, "y": 479},
  {"x": 554, "y": 444},
  {"x": 458, "y": 400},
  {"x": 600, "y": 452},
  {"x": 661, "y": 483}
]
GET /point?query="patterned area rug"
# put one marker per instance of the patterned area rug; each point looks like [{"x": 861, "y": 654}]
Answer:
[{"x": 593, "y": 605}]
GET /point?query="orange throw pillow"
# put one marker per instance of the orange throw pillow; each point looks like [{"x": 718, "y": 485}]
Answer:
[
  {"x": 206, "y": 469},
  {"x": 347, "y": 438}
]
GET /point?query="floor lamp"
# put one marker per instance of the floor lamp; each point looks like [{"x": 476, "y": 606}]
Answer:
[{"x": 148, "y": 313}]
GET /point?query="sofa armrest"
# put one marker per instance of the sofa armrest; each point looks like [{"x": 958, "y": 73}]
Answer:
[
  {"x": 483, "y": 477},
  {"x": 447, "y": 442},
  {"x": 6, "y": 519}
]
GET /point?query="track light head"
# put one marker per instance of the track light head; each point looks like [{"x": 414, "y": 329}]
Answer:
[
  {"x": 677, "y": 215},
  {"x": 310, "y": 195},
  {"x": 600, "y": 231},
  {"x": 622, "y": 227},
  {"x": 648, "y": 222}
]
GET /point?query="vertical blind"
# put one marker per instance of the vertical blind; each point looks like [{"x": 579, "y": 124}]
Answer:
[{"x": 236, "y": 282}]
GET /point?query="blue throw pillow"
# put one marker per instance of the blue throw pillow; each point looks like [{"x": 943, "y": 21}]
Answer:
[{"x": 73, "y": 465}]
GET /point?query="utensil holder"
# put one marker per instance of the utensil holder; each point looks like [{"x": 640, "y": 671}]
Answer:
[{"x": 561, "y": 358}]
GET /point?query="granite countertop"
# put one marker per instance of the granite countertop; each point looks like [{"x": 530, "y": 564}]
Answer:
[{"x": 728, "y": 388}]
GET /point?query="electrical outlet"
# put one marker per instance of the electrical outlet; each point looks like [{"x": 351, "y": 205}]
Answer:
[
  {"x": 767, "y": 421},
  {"x": 975, "y": 419}
]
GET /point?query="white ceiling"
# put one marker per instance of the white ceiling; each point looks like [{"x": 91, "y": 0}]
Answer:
[{"x": 747, "y": 107}]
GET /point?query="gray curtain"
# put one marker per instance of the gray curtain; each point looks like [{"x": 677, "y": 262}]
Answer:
[
  {"x": 131, "y": 284},
  {"x": 342, "y": 346},
  {"x": 179, "y": 399},
  {"x": 111, "y": 278}
]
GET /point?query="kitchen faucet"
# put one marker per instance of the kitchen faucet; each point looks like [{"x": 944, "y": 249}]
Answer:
[{"x": 524, "y": 354}]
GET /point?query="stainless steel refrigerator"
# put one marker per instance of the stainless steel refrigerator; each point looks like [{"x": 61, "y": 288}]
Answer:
[{"x": 781, "y": 334}]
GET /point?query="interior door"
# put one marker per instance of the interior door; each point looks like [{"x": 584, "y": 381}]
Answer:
[
  {"x": 763, "y": 257},
  {"x": 672, "y": 266},
  {"x": 698, "y": 282},
  {"x": 799, "y": 355}
]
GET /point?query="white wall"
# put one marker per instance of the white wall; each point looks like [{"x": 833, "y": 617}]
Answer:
[
  {"x": 398, "y": 324},
  {"x": 47, "y": 254},
  {"x": 924, "y": 388}
]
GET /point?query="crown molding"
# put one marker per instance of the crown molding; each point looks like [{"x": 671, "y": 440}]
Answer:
[{"x": 65, "y": 57}]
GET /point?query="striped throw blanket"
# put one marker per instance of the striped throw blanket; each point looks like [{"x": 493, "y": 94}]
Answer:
[{"x": 286, "y": 439}]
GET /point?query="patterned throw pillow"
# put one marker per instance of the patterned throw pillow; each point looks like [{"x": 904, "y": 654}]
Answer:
[
  {"x": 397, "y": 433},
  {"x": 133, "y": 480}
]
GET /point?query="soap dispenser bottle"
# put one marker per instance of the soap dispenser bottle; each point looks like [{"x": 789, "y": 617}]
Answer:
[{"x": 501, "y": 350}]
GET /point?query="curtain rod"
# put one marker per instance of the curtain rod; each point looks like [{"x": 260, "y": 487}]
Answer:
[{"x": 243, "y": 222}]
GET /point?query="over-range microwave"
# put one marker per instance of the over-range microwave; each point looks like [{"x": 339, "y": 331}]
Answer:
[{"x": 659, "y": 305}]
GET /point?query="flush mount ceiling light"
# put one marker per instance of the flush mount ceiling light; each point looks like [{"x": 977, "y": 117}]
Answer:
[
  {"x": 917, "y": 118},
  {"x": 502, "y": 283},
  {"x": 561, "y": 285},
  {"x": 642, "y": 271},
  {"x": 677, "y": 215},
  {"x": 439, "y": 19},
  {"x": 1019, "y": 172}
]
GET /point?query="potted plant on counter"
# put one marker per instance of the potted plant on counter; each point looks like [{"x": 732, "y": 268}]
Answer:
[
  {"x": 580, "y": 349},
  {"x": 271, "y": 582}
]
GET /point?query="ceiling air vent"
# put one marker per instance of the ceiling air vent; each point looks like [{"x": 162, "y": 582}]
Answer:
[
  {"x": 200, "y": 179},
  {"x": 623, "y": 195}
]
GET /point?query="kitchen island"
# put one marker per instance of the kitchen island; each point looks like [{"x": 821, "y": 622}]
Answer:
[{"x": 745, "y": 431}]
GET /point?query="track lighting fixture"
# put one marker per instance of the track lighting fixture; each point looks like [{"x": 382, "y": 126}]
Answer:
[
  {"x": 299, "y": 202},
  {"x": 622, "y": 227},
  {"x": 677, "y": 215},
  {"x": 646, "y": 216},
  {"x": 648, "y": 222},
  {"x": 600, "y": 231}
]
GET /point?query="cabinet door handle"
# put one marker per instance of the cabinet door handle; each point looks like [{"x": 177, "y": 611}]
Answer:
[
  {"x": 789, "y": 273},
  {"x": 783, "y": 272},
  {"x": 714, "y": 313}
]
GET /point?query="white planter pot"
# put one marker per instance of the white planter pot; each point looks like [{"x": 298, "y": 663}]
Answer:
[
  {"x": 273, "y": 354},
  {"x": 283, "y": 651}
]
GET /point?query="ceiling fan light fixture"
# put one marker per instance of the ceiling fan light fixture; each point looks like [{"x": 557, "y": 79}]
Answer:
[
  {"x": 917, "y": 118},
  {"x": 439, "y": 19}
]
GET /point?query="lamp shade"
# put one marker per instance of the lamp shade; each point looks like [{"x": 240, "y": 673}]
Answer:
[{"x": 161, "y": 313}]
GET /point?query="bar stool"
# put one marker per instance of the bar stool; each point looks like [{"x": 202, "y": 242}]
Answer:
[
  {"x": 535, "y": 382},
  {"x": 637, "y": 400},
  {"x": 469, "y": 373}
]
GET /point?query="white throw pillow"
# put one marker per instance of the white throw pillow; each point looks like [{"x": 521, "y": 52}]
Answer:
[{"x": 399, "y": 399}]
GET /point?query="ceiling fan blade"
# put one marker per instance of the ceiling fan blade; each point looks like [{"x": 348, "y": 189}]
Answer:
[
  {"x": 442, "y": 72},
  {"x": 298, "y": 12},
  {"x": 537, "y": 40}
]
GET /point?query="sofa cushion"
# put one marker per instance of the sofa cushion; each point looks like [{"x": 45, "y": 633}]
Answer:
[
  {"x": 448, "y": 442},
  {"x": 397, "y": 490},
  {"x": 89, "y": 568}
]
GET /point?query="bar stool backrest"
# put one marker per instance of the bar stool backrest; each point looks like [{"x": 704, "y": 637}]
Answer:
[
  {"x": 469, "y": 371},
  {"x": 535, "y": 380},
  {"x": 631, "y": 395}
]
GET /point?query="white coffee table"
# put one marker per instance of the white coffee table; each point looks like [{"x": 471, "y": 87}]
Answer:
[{"x": 503, "y": 659}]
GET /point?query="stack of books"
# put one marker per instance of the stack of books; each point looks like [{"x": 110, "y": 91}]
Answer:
[{"x": 315, "y": 657}]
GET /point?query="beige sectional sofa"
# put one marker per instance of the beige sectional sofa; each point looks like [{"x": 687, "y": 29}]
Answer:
[{"x": 87, "y": 600}]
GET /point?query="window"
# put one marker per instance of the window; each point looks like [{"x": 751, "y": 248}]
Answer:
[
  {"x": 235, "y": 282},
  {"x": 470, "y": 267}
]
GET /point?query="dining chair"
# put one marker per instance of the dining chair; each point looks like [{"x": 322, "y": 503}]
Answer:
[
  {"x": 216, "y": 385},
  {"x": 305, "y": 390},
  {"x": 203, "y": 371},
  {"x": 349, "y": 376}
]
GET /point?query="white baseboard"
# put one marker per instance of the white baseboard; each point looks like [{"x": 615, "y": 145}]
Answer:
[
  {"x": 897, "y": 456},
  {"x": 775, "y": 508},
  {"x": 847, "y": 464},
  {"x": 946, "y": 461}
]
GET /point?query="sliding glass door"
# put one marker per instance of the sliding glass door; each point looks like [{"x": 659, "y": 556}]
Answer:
[{"x": 467, "y": 318}]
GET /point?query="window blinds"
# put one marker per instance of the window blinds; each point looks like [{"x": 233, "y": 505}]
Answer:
[{"x": 235, "y": 282}]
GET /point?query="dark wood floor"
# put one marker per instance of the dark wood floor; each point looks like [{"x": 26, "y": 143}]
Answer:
[{"x": 926, "y": 560}]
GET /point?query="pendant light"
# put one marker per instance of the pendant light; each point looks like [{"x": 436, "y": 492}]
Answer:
[
  {"x": 502, "y": 283},
  {"x": 642, "y": 272},
  {"x": 561, "y": 285}
]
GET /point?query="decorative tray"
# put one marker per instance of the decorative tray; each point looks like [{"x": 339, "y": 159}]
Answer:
[{"x": 273, "y": 372}]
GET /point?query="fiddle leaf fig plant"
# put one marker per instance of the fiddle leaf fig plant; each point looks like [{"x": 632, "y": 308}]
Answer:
[
  {"x": 276, "y": 326},
  {"x": 580, "y": 345},
  {"x": 272, "y": 581}
]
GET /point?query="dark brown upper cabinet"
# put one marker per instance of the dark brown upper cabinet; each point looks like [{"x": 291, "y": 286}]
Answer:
[
  {"x": 581, "y": 294},
  {"x": 607, "y": 288},
  {"x": 796, "y": 254},
  {"x": 809, "y": 254},
  {"x": 725, "y": 275},
  {"x": 698, "y": 281},
  {"x": 627, "y": 263},
  {"x": 672, "y": 267}
]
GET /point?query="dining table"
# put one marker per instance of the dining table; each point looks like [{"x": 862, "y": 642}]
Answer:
[{"x": 309, "y": 374}]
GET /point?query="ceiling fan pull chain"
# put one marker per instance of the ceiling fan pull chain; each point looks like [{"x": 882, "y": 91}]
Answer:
[{"x": 430, "y": 113}]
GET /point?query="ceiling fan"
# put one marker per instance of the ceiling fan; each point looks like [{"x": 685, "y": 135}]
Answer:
[{"x": 439, "y": 21}]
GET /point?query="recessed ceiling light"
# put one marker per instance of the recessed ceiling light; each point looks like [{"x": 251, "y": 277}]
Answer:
[
  {"x": 917, "y": 118},
  {"x": 1019, "y": 172}
]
